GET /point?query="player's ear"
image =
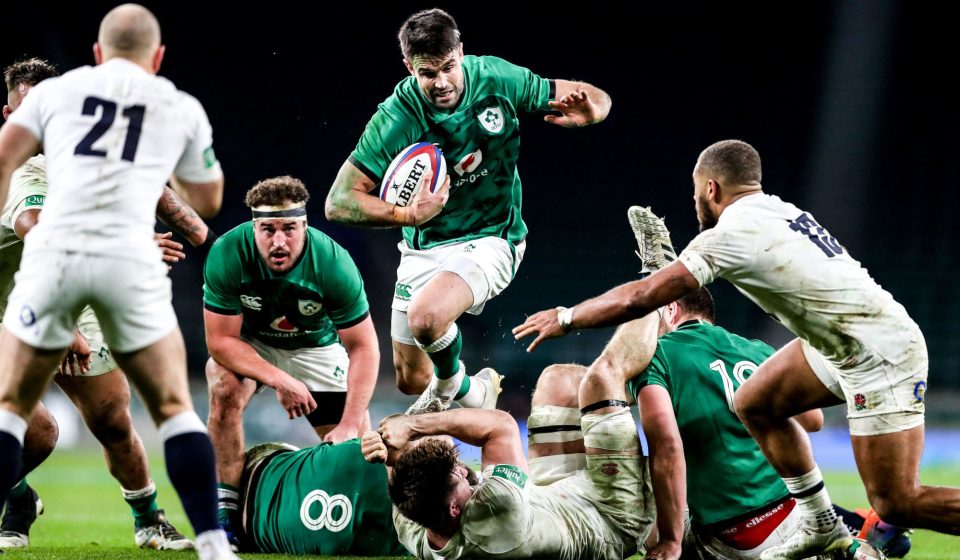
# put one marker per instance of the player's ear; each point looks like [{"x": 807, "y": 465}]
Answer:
[
  {"x": 6, "y": 112},
  {"x": 713, "y": 191},
  {"x": 158, "y": 58},
  {"x": 97, "y": 53},
  {"x": 409, "y": 67}
]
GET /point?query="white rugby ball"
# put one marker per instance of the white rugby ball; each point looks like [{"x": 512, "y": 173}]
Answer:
[{"x": 402, "y": 179}]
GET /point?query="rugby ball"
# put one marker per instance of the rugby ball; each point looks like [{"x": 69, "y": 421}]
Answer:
[{"x": 402, "y": 179}]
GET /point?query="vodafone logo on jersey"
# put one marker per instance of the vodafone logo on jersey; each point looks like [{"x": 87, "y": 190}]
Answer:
[
  {"x": 283, "y": 325},
  {"x": 469, "y": 163}
]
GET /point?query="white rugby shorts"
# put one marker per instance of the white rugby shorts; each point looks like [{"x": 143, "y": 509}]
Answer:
[
  {"x": 132, "y": 299},
  {"x": 881, "y": 397},
  {"x": 322, "y": 369},
  {"x": 487, "y": 265}
]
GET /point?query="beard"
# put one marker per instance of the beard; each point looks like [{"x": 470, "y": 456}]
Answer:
[
  {"x": 706, "y": 219},
  {"x": 472, "y": 479}
]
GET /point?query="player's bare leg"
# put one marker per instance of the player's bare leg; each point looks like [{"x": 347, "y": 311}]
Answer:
[
  {"x": 229, "y": 396},
  {"x": 610, "y": 432},
  {"x": 783, "y": 386},
  {"x": 25, "y": 372},
  {"x": 104, "y": 404},
  {"x": 159, "y": 372},
  {"x": 889, "y": 465},
  {"x": 431, "y": 317}
]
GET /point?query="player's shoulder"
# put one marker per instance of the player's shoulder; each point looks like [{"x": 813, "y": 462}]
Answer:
[{"x": 230, "y": 247}]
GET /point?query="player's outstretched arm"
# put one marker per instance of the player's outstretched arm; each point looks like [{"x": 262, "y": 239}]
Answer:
[
  {"x": 579, "y": 104},
  {"x": 668, "y": 469},
  {"x": 349, "y": 202},
  {"x": 619, "y": 305},
  {"x": 495, "y": 432},
  {"x": 360, "y": 342}
]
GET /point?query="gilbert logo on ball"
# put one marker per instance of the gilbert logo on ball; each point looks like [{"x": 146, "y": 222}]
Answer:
[{"x": 402, "y": 179}]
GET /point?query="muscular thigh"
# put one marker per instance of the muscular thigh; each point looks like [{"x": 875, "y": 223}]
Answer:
[{"x": 784, "y": 385}]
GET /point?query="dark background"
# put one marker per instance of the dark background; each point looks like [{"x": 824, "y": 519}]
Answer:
[{"x": 849, "y": 104}]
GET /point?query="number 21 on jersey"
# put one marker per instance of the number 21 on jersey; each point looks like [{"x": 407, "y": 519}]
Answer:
[
  {"x": 108, "y": 114},
  {"x": 741, "y": 371}
]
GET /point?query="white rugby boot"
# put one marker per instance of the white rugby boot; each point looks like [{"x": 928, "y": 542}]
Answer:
[{"x": 809, "y": 542}]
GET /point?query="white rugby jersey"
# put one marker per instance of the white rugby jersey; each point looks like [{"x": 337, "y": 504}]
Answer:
[
  {"x": 506, "y": 520},
  {"x": 28, "y": 188},
  {"x": 781, "y": 258},
  {"x": 113, "y": 135}
]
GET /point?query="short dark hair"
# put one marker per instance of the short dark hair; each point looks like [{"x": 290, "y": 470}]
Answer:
[
  {"x": 30, "y": 71},
  {"x": 275, "y": 191},
  {"x": 422, "y": 481},
  {"x": 733, "y": 161},
  {"x": 699, "y": 304},
  {"x": 431, "y": 33}
]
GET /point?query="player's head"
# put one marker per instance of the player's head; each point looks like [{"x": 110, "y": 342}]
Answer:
[
  {"x": 433, "y": 53},
  {"x": 21, "y": 76},
  {"x": 132, "y": 32},
  {"x": 430, "y": 485},
  {"x": 725, "y": 171},
  {"x": 279, "y": 207},
  {"x": 695, "y": 305}
]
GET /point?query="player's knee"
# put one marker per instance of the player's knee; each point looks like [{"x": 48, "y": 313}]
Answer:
[
  {"x": 893, "y": 510},
  {"x": 425, "y": 324},
  {"x": 749, "y": 409},
  {"x": 558, "y": 385},
  {"x": 110, "y": 424},
  {"x": 42, "y": 433}
]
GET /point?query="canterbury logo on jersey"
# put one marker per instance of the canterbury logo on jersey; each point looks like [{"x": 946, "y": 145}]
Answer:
[
  {"x": 253, "y": 302},
  {"x": 332, "y": 513}
]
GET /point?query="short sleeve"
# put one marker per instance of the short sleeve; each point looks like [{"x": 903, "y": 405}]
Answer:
[
  {"x": 721, "y": 251},
  {"x": 391, "y": 129},
  {"x": 198, "y": 163},
  {"x": 345, "y": 299},
  {"x": 499, "y": 502},
  {"x": 409, "y": 534},
  {"x": 221, "y": 292},
  {"x": 528, "y": 91},
  {"x": 28, "y": 190},
  {"x": 654, "y": 374}
]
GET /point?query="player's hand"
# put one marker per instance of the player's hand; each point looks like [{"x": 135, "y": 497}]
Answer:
[
  {"x": 544, "y": 324},
  {"x": 77, "y": 360},
  {"x": 425, "y": 204},
  {"x": 294, "y": 397},
  {"x": 172, "y": 251},
  {"x": 576, "y": 110},
  {"x": 373, "y": 448},
  {"x": 342, "y": 433},
  {"x": 664, "y": 550},
  {"x": 396, "y": 431}
]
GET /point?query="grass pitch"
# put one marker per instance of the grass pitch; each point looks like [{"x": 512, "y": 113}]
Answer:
[{"x": 85, "y": 516}]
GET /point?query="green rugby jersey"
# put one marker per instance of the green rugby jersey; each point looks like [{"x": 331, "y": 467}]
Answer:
[
  {"x": 300, "y": 308},
  {"x": 324, "y": 500},
  {"x": 701, "y": 365},
  {"x": 480, "y": 140}
]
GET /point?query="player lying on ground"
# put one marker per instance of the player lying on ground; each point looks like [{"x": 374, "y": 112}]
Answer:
[
  {"x": 856, "y": 345},
  {"x": 586, "y": 499}
]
